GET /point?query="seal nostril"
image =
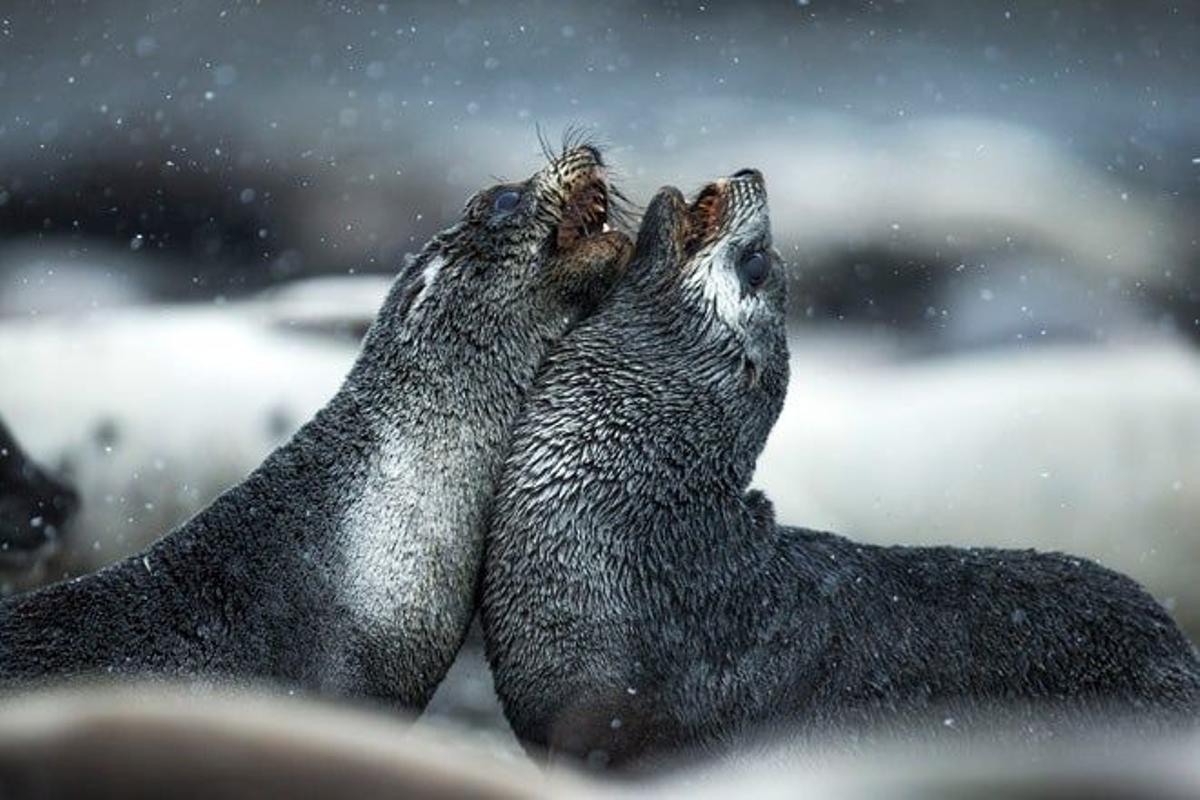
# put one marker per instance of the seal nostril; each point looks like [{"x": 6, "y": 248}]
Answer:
[
  {"x": 747, "y": 173},
  {"x": 595, "y": 154}
]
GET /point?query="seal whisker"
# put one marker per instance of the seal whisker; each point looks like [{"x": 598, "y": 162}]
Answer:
[
  {"x": 623, "y": 213},
  {"x": 544, "y": 144}
]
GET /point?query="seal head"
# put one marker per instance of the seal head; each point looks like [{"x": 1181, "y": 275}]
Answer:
[
  {"x": 709, "y": 271},
  {"x": 547, "y": 235}
]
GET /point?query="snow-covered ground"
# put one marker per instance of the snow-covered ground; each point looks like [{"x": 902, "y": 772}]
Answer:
[
  {"x": 1087, "y": 449},
  {"x": 151, "y": 411}
]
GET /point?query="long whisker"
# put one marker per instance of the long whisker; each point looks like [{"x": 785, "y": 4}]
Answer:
[
  {"x": 544, "y": 143},
  {"x": 623, "y": 213}
]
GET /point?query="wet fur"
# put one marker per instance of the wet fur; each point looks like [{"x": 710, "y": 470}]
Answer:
[
  {"x": 639, "y": 603},
  {"x": 34, "y": 505},
  {"x": 347, "y": 563}
]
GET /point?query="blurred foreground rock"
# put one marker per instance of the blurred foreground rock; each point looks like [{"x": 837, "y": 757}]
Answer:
[{"x": 151, "y": 740}]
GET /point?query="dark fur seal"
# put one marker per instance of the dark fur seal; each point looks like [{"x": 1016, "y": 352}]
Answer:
[
  {"x": 638, "y": 602},
  {"x": 347, "y": 563},
  {"x": 34, "y": 505}
]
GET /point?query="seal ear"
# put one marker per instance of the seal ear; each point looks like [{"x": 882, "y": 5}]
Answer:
[{"x": 664, "y": 225}]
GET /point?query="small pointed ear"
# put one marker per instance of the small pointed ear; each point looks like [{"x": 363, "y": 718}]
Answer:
[{"x": 664, "y": 225}]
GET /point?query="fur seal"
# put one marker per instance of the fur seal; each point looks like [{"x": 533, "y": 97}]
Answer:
[
  {"x": 347, "y": 563},
  {"x": 639, "y": 603},
  {"x": 34, "y": 505}
]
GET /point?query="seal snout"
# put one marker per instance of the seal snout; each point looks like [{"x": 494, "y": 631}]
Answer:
[
  {"x": 706, "y": 214},
  {"x": 584, "y": 210},
  {"x": 594, "y": 153},
  {"x": 720, "y": 204},
  {"x": 586, "y": 253},
  {"x": 581, "y": 193}
]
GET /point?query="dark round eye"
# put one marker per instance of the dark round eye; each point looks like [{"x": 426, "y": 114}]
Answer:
[
  {"x": 755, "y": 268},
  {"x": 507, "y": 200}
]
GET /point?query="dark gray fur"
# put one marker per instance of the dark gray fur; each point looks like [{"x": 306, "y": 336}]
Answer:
[
  {"x": 347, "y": 563},
  {"x": 639, "y": 603},
  {"x": 34, "y": 505}
]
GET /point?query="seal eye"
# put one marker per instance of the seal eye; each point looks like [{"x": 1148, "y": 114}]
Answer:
[
  {"x": 506, "y": 201},
  {"x": 754, "y": 269}
]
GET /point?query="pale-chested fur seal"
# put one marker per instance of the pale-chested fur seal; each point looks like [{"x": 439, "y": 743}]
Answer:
[
  {"x": 347, "y": 563},
  {"x": 639, "y": 603}
]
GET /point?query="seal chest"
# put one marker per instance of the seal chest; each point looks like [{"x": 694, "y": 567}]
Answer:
[{"x": 397, "y": 585}]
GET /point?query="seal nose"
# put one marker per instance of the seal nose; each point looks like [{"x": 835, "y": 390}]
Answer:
[
  {"x": 594, "y": 153},
  {"x": 748, "y": 174}
]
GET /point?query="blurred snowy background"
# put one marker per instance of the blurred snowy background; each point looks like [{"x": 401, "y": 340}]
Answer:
[{"x": 991, "y": 213}]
